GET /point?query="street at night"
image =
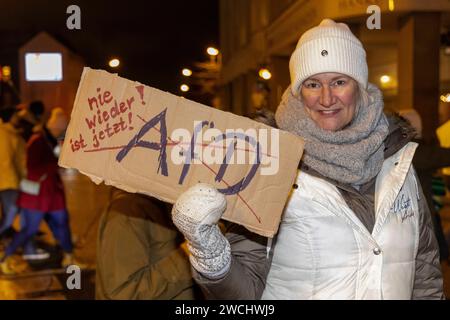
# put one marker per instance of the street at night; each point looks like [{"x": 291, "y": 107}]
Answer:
[{"x": 225, "y": 150}]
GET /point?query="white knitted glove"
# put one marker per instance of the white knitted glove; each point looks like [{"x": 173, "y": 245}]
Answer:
[{"x": 196, "y": 214}]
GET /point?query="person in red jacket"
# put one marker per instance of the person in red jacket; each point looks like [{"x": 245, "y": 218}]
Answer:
[{"x": 42, "y": 167}]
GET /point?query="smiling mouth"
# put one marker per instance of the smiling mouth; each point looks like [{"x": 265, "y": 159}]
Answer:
[{"x": 329, "y": 112}]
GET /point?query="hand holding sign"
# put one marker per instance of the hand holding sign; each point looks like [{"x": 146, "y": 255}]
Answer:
[
  {"x": 196, "y": 214},
  {"x": 140, "y": 139}
]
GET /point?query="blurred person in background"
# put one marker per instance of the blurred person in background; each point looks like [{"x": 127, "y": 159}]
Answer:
[
  {"x": 12, "y": 167},
  {"x": 428, "y": 159},
  {"x": 37, "y": 109},
  {"x": 140, "y": 253},
  {"x": 28, "y": 122},
  {"x": 42, "y": 167}
]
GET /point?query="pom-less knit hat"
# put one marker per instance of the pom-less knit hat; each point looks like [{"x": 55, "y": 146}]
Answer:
[
  {"x": 328, "y": 47},
  {"x": 58, "y": 120}
]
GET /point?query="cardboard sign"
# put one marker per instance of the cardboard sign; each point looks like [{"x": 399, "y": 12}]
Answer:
[{"x": 141, "y": 139}]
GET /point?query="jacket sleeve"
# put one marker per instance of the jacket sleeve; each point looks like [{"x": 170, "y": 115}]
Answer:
[
  {"x": 21, "y": 162},
  {"x": 428, "y": 282},
  {"x": 125, "y": 270},
  {"x": 6, "y": 152},
  {"x": 40, "y": 157},
  {"x": 250, "y": 264}
]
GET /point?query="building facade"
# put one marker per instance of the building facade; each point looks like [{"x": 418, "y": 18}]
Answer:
[
  {"x": 53, "y": 94},
  {"x": 408, "y": 56}
]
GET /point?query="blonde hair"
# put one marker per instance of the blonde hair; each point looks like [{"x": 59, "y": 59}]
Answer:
[{"x": 363, "y": 96}]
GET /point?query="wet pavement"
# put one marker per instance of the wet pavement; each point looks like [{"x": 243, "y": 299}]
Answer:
[{"x": 86, "y": 201}]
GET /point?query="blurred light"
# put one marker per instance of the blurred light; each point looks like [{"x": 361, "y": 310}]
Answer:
[
  {"x": 186, "y": 72},
  {"x": 184, "y": 88},
  {"x": 113, "y": 63},
  {"x": 6, "y": 73},
  {"x": 212, "y": 51},
  {"x": 391, "y": 5},
  {"x": 40, "y": 66},
  {"x": 385, "y": 79},
  {"x": 445, "y": 98},
  {"x": 447, "y": 50},
  {"x": 265, "y": 73}
]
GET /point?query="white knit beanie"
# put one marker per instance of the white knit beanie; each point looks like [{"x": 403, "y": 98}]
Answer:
[{"x": 328, "y": 47}]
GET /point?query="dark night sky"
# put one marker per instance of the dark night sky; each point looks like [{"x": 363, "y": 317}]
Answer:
[{"x": 153, "y": 39}]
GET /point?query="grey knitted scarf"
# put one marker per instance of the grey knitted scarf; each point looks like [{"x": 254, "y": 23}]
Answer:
[{"x": 352, "y": 155}]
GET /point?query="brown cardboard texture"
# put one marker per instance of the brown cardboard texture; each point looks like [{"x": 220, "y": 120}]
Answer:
[{"x": 141, "y": 139}]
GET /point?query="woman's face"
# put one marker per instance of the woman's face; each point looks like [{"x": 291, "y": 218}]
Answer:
[{"x": 330, "y": 99}]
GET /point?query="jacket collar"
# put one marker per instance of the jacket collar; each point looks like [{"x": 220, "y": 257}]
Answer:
[{"x": 400, "y": 133}]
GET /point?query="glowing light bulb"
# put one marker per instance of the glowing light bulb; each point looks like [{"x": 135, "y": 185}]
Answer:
[
  {"x": 114, "y": 63},
  {"x": 212, "y": 51},
  {"x": 186, "y": 72},
  {"x": 265, "y": 74},
  {"x": 445, "y": 97},
  {"x": 385, "y": 79}
]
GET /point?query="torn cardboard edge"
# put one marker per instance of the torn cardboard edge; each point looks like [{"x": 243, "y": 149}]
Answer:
[{"x": 291, "y": 148}]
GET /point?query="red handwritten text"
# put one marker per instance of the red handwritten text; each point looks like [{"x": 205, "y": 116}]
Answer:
[
  {"x": 110, "y": 116},
  {"x": 77, "y": 144}
]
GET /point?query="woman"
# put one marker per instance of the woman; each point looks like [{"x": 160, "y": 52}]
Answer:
[
  {"x": 42, "y": 167},
  {"x": 356, "y": 225}
]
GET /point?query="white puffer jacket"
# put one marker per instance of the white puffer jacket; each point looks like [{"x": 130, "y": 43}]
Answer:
[{"x": 323, "y": 250}]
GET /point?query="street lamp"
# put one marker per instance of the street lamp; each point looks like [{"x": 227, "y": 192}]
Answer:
[
  {"x": 214, "y": 55},
  {"x": 184, "y": 88},
  {"x": 385, "y": 79},
  {"x": 391, "y": 5},
  {"x": 212, "y": 51},
  {"x": 445, "y": 98},
  {"x": 265, "y": 73},
  {"x": 186, "y": 72},
  {"x": 5, "y": 73},
  {"x": 114, "y": 63}
]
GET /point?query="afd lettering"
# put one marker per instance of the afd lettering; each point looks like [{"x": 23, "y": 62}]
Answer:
[
  {"x": 208, "y": 146},
  {"x": 234, "y": 146}
]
